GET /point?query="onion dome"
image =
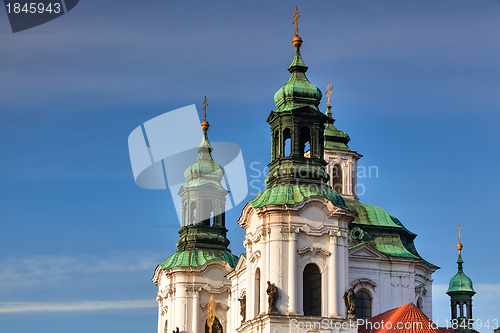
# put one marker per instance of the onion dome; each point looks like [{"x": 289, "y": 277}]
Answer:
[
  {"x": 298, "y": 91},
  {"x": 460, "y": 283},
  {"x": 204, "y": 169}
]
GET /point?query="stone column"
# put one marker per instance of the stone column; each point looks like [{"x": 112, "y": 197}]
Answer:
[
  {"x": 250, "y": 281},
  {"x": 196, "y": 310},
  {"x": 264, "y": 270},
  {"x": 292, "y": 270},
  {"x": 333, "y": 285}
]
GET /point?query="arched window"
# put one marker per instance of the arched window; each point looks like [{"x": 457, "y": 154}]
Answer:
[
  {"x": 363, "y": 302},
  {"x": 337, "y": 178},
  {"x": 305, "y": 140},
  {"x": 216, "y": 326},
  {"x": 165, "y": 328},
  {"x": 208, "y": 213},
  {"x": 287, "y": 143},
  {"x": 193, "y": 212},
  {"x": 277, "y": 153},
  {"x": 311, "y": 288},
  {"x": 257, "y": 292}
]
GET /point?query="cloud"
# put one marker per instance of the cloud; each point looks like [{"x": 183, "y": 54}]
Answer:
[
  {"x": 23, "y": 271},
  {"x": 484, "y": 304},
  {"x": 19, "y": 307}
]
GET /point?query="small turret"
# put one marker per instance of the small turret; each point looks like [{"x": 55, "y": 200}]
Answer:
[{"x": 461, "y": 291}]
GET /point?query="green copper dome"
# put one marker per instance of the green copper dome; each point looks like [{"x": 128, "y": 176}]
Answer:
[
  {"x": 460, "y": 282},
  {"x": 298, "y": 91},
  {"x": 204, "y": 169}
]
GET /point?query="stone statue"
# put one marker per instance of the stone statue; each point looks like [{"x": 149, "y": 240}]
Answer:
[
  {"x": 349, "y": 303},
  {"x": 243, "y": 308},
  {"x": 272, "y": 293}
]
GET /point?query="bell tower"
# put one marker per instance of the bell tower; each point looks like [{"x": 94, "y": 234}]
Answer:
[
  {"x": 297, "y": 128},
  {"x": 193, "y": 290},
  {"x": 461, "y": 291}
]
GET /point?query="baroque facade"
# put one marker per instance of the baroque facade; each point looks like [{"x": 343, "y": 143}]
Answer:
[{"x": 313, "y": 252}]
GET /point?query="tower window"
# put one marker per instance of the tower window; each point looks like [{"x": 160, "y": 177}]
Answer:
[
  {"x": 287, "y": 143},
  {"x": 337, "y": 178},
  {"x": 363, "y": 303},
  {"x": 305, "y": 140},
  {"x": 208, "y": 212},
  {"x": 312, "y": 290},
  {"x": 276, "y": 145},
  {"x": 193, "y": 212}
]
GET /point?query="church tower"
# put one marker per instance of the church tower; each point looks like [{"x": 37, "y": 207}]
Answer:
[
  {"x": 295, "y": 272},
  {"x": 461, "y": 291},
  {"x": 196, "y": 274}
]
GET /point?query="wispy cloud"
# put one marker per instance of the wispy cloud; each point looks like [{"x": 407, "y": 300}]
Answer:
[
  {"x": 19, "y": 307},
  {"x": 22, "y": 271}
]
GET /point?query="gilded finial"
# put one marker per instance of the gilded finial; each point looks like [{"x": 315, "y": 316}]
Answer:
[
  {"x": 297, "y": 41},
  {"x": 205, "y": 125},
  {"x": 328, "y": 94},
  {"x": 211, "y": 313},
  {"x": 459, "y": 245},
  {"x": 296, "y": 17}
]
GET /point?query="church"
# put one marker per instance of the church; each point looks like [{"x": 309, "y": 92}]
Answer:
[{"x": 316, "y": 258}]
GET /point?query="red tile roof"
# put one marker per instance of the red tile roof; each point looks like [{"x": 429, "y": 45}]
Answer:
[{"x": 405, "y": 319}]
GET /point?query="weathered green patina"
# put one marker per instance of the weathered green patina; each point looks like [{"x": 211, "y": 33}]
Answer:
[
  {"x": 383, "y": 232},
  {"x": 460, "y": 283},
  {"x": 198, "y": 257},
  {"x": 298, "y": 91},
  {"x": 203, "y": 235},
  {"x": 288, "y": 194}
]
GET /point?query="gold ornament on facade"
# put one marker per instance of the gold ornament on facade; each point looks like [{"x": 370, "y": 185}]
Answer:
[{"x": 210, "y": 310}]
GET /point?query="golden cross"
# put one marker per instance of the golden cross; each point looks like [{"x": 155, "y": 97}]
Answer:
[
  {"x": 296, "y": 21},
  {"x": 205, "y": 108},
  {"x": 328, "y": 93},
  {"x": 459, "y": 234}
]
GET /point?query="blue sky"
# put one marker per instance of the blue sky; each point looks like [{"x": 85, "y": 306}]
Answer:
[{"x": 416, "y": 88}]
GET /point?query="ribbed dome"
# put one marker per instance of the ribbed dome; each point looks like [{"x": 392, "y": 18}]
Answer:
[
  {"x": 204, "y": 168},
  {"x": 298, "y": 91},
  {"x": 460, "y": 283}
]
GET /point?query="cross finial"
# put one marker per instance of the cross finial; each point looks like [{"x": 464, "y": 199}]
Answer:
[
  {"x": 205, "y": 108},
  {"x": 296, "y": 21},
  {"x": 328, "y": 94},
  {"x": 205, "y": 125},
  {"x": 459, "y": 245}
]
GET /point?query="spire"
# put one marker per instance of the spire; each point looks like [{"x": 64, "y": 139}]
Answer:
[
  {"x": 335, "y": 139},
  {"x": 204, "y": 169},
  {"x": 203, "y": 232},
  {"x": 461, "y": 290},
  {"x": 460, "y": 283},
  {"x": 298, "y": 91}
]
